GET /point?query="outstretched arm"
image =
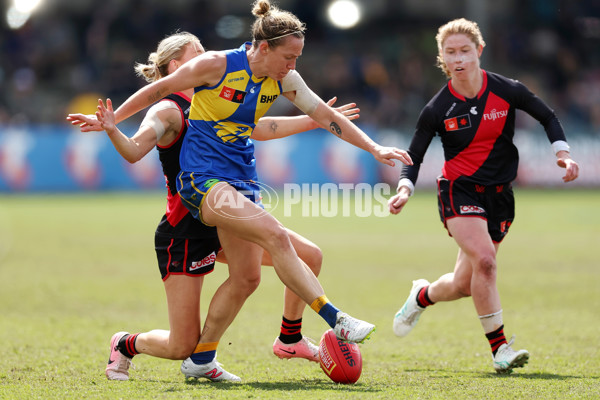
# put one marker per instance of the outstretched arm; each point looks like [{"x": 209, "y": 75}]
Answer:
[
  {"x": 86, "y": 123},
  {"x": 269, "y": 128},
  {"x": 204, "y": 69},
  {"x": 297, "y": 92},
  {"x": 161, "y": 125},
  {"x": 347, "y": 131}
]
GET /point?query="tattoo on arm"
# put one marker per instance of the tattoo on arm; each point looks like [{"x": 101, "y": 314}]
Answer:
[
  {"x": 274, "y": 126},
  {"x": 335, "y": 128},
  {"x": 155, "y": 96}
]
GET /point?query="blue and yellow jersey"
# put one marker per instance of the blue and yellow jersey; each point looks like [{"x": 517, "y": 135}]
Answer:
[{"x": 222, "y": 119}]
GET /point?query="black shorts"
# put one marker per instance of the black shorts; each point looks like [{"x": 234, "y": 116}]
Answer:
[
  {"x": 192, "y": 257},
  {"x": 495, "y": 204}
]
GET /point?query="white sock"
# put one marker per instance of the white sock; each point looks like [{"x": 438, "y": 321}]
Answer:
[{"x": 491, "y": 322}]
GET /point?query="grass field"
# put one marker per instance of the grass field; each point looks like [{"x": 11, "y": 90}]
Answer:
[{"x": 74, "y": 269}]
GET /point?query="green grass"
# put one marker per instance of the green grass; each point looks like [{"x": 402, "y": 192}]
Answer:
[{"x": 74, "y": 269}]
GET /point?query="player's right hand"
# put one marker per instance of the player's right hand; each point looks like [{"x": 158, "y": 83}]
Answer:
[
  {"x": 106, "y": 116},
  {"x": 397, "y": 202},
  {"x": 86, "y": 123}
]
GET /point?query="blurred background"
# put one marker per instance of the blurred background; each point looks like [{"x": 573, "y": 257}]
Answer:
[{"x": 60, "y": 56}]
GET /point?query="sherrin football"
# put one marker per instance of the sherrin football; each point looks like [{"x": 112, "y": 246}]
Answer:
[{"x": 341, "y": 361}]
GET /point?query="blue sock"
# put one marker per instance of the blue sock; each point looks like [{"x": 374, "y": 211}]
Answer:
[
  {"x": 203, "y": 357},
  {"x": 329, "y": 314}
]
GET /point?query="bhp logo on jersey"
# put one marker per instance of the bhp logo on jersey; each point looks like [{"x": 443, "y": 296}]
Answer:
[
  {"x": 456, "y": 123},
  {"x": 235, "y": 96},
  {"x": 471, "y": 210},
  {"x": 268, "y": 99},
  {"x": 208, "y": 260}
]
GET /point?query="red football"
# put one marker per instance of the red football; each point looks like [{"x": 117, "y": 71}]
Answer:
[{"x": 341, "y": 361}]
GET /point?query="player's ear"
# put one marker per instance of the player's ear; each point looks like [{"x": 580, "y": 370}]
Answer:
[{"x": 263, "y": 47}]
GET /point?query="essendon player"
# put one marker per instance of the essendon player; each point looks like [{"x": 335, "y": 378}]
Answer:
[
  {"x": 187, "y": 249},
  {"x": 474, "y": 115}
]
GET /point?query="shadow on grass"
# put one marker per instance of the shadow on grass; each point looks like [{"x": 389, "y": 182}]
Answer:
[
  {"x": 538, "y": 375},
  {"x": 306, "y": 385},
  {"x": 492, "y": 375}
]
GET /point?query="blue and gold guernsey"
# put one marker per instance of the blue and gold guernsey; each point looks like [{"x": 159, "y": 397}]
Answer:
[{"x": 218, "y": 143}]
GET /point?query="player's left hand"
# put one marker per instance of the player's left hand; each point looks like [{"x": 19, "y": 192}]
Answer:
[
  {"x": 385, "y": 155},
  {"x": 572, "y": 168}
]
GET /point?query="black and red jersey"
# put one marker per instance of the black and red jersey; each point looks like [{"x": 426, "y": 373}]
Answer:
[
  {"x": 477, "y": 134},
  {"x": 177, "y": 221}
]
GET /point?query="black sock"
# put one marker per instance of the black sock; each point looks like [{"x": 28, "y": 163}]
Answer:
[
  {"x": 291, "y": 331},
  {"x": 496, "y": 339},
  {"x": 126, "y": 345},
  {"x": 423, "y": 299}
]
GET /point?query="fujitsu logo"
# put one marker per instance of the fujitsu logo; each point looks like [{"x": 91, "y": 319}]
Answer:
[
  {"x": 209, "y": 259},
  {"x": 494, "y": 115}
]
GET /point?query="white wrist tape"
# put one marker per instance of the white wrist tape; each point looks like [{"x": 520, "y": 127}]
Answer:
[
  {"x": 560, "y": 145},
  {"x": 306, "y": 100},
  {"x": 152, "y": 119},
  {"x": 408, "y": 183}
]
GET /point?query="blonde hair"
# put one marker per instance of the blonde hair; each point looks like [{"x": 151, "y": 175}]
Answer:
[
  {"x": 461, "y": 25},
  {"x": 170, "y": 48},
  {"x": 273, "y": 24}
]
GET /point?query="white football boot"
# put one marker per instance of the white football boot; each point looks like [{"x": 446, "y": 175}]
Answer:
[
  {"x": 212, "y": 371},
  {"x": 506, "y": 358},
  {"x": 350, "y": 329},
  {"x": 406, "y": 318}
]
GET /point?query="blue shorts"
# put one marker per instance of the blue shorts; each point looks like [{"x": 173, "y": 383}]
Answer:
[{"x": 193, "y": 188}]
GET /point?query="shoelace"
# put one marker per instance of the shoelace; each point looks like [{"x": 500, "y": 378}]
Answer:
[
  {"x": 508, "y": 349},
  {"x": 124, "y": 363},
  {"x": 349, "y": 322},
  {"x": 310, "y": 340},
  {"x": 412, "y": 316},
  {"x": 512, "y": 340}
]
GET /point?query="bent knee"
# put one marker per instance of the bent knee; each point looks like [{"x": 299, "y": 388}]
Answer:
[
  {"x": 486, "y": 265},
  {"x": 246, "y": 285},
  {"x": 252, "y": 284},
  {"x": 182, "y": 349},
  {"x": 276, "y": 237},
  {"x": 314, "y": 260},
  {"x": 464, "y": 290},
  {"x": 182, "y": 353},
  {"x": 462, "y": 287}
]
